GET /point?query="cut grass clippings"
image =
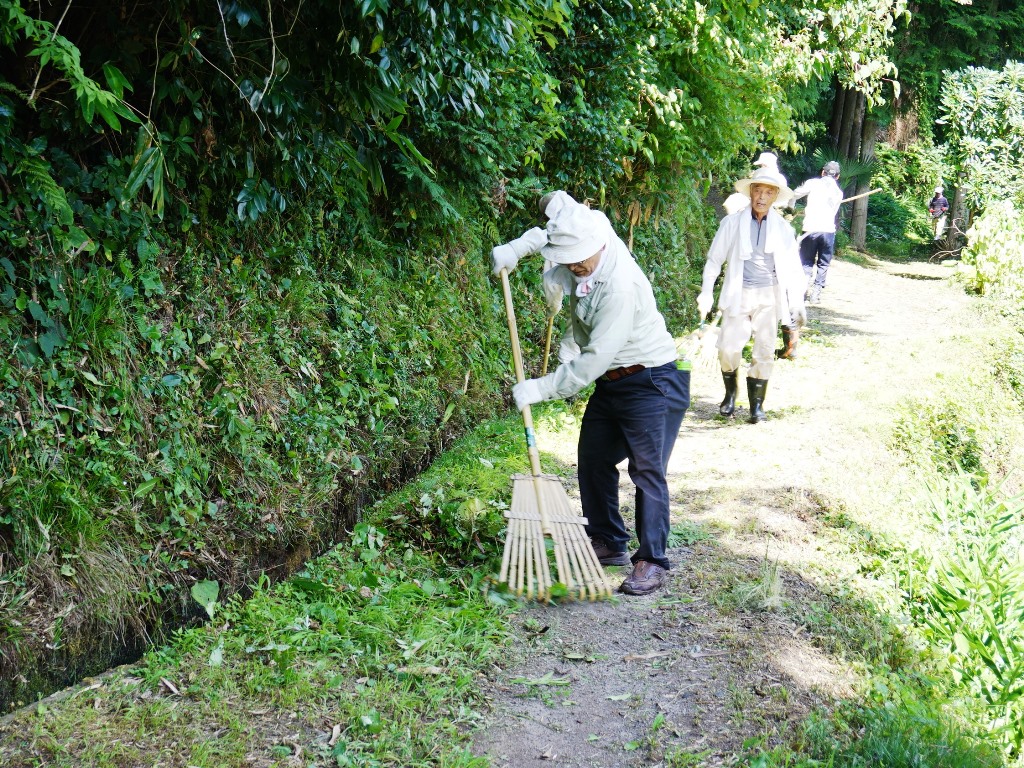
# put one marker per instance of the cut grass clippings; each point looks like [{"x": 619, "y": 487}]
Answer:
[{"x": 368, "y": 656}]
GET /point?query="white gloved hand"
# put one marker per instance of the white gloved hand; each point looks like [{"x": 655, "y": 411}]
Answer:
[
  {"x": 704, "y": 304},
  {"x": 526, "y": 393},
  {"x": 504, "y": 257},
  {"x": 508, "y": 255},
  {"x": 798, "y": 315},
  {"x": 553, "y": 295}
]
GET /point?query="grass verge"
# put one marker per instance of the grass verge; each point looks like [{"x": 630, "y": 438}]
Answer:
[{"x": 368, "y": 656}]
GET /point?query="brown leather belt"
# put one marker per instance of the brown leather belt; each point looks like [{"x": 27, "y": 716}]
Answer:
[{"x": 620, "y": 373}]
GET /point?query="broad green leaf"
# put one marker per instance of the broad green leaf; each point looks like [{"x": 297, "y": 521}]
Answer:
[
  {"x": 205, "y": 593},
  {"x": 145, "y": 488}
]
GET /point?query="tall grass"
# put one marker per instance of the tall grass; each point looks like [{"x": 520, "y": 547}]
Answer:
[{"x": 967, "y": 599}]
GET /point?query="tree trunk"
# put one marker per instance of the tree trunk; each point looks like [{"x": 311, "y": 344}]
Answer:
[
  {"x": 957, "y": 224},
  {"x": 859, "y": 218},
  {"x": 856, "y": 134},
  {"x": 838, "y": 99},
  {"x": 843, "y": 145},
  {"x": 850, "y": 134}
]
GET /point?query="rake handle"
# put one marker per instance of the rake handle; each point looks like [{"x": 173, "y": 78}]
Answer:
[
  {"x": 531, "y": 437},
  {"x": 517, "y": 362},
  {"x": 547, "y": 345}
]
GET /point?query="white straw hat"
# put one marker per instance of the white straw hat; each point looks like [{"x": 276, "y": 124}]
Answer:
[{"x": 769, "y": 176}]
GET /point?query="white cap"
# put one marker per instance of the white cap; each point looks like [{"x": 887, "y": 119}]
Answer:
[
  {"x": 553, "y": 202},
  {"x": 575, "y": 234}
]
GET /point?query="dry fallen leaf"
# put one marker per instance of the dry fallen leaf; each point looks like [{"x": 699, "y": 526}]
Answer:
[{"x": 643, "y": 656}]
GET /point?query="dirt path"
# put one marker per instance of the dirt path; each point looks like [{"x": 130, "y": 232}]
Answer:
[{"x": 623, "y": 683}]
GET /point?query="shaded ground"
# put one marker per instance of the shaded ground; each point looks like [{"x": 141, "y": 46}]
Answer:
[{"x": 741, "y": 644}]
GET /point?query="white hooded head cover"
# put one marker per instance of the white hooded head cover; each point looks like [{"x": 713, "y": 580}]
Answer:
[{"x": 575, "y": 234}]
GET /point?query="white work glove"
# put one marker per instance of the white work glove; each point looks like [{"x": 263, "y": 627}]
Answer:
[
  {"x": 553, "y": 295},
  {"x": 526, "y": 393},
  {"x": 798, "y": 315},
  {"x": 704, "y": 303},
  {"x": 508, "y": 255},
  {"x": 504, "y": 257}
]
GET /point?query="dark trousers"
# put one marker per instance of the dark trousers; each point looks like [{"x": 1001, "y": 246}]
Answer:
[
  {"x": 638, "y": 418},
  {"x": 817, "y": 247}
]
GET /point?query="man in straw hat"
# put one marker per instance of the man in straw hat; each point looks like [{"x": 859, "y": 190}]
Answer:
[
  {"x": 617, "y": 339},
  {"x": 737, "y": 200},
  {"x": 763, "y": 284}
]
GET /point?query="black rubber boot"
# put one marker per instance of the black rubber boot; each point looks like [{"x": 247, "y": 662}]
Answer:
[
  {"x": 756, "y": 389},
  {"x": 790, "y": 336},
  {"x": 728, "y": 406}
]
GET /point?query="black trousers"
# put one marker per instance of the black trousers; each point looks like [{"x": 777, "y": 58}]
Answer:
[{"x": 636, "y": 417}]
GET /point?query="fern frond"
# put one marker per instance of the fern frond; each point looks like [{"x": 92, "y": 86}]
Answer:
[{"x": 36, "y": 173}]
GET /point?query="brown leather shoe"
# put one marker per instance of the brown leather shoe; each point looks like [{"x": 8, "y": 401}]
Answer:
[
  {"x": 645, "y": 578},
  {"x": 608, "y": 556}
]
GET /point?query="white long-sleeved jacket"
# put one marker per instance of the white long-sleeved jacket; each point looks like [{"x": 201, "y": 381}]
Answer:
[
  {"x": 616, "y": 324},
  {"x": 732, "y": 247}
]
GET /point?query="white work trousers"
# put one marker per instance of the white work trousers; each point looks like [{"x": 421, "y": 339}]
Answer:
[{"x": 757, "y": 316}]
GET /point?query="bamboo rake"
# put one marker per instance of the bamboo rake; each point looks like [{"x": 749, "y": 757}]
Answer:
[
  {"x": 699, "y": 346},
  {"x": 541, "y": 510}
]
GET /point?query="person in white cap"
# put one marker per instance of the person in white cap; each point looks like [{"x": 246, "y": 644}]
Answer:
[
  {"x": 937, "y": 208},
  {"x": 507, "y": 255},
  {"x": 737, "y": 201},
  {"x": 617, "y": 339},
  {"x": 763, "y": 284},
  {"x": 818, "y": 244}
]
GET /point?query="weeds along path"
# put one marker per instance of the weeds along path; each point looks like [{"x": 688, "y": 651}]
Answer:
[{"x": 766, "y": 599}]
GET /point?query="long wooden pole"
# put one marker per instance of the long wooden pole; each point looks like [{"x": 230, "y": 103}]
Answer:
[
  {"x": 857, "y": 197},
  {"x": 531, "y": 439},
  {"x": 547, "y": 345}
]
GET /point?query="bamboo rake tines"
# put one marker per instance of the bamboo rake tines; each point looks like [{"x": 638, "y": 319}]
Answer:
[
  {"x": 700, "y": 346},
  {"x": 524, "y": 563}
]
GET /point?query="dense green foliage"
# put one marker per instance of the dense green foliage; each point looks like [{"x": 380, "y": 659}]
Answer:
[
  {"x": 980, "y": 109},
  {"x": 970, "y": 601},
  {"x": 995, "y": 249},
  {"x": 908, "y": 178},
  {"x": 948, "y": 35}
]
